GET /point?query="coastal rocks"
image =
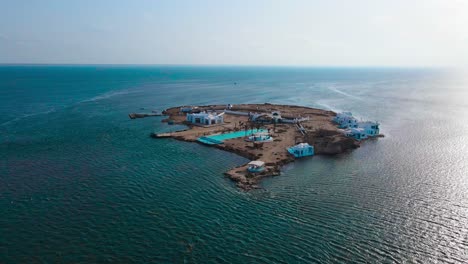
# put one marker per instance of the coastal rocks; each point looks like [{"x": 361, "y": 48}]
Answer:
[
  {"x": 238, "y": 151},
  {"x": 339, "y": 145},
  {"x": 249, "y": 181},
  {"x": 330, "y": 142}
]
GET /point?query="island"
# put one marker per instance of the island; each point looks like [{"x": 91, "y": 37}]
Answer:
[{"x": 269, "y": 135}]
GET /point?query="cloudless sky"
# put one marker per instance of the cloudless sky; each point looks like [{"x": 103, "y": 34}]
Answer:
[{"x": 246, "y": 32}]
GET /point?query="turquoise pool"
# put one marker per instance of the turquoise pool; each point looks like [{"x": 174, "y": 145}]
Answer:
[{"x": 219, "y": 138}]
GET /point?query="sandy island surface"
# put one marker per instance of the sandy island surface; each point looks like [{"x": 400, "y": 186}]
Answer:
[{"x": 320, "y": 130}]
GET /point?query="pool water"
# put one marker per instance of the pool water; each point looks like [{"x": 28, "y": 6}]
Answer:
[{"x": 219, "y": 138}]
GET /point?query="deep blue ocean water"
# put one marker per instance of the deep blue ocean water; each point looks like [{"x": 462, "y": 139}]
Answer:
[{"x": 80, "y": 182}]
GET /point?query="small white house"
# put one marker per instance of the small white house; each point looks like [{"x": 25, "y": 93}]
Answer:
[
  {"x": 256, "y": 166},
  {"x": 370, "y": 128},
  {"x": 340, "y": 116},
  {"x": 357, "y": 133},
  {"x": 187, "y": 109},
  {"x": 350, "y": 122},
  {"x": 276, "y": 116},
  {"x": 355, "y": 128},
  {"x": 301, "y": 150},
  {"x": 346, "y": 120},
  {"x": 205, "y": 118}
]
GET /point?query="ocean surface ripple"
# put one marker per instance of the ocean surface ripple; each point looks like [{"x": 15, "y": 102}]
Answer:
[{"x": 80, "y": 182}]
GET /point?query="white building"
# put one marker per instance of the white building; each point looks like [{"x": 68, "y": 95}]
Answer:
[
  {"x": 260, "y": 137},
  {"x": 357, "y": 133},
  {"x": 256, "y": 166},
  {"x": 275, "y": 116},
  {"x": 187, "y": 109},
  {"x": 204, "y": 118},
  {"x": 346, "y": 120},
  {"x": 370, "y": 128},
  {"x": 301, "y": 150},
  {"x": 356, "y": 129},
  {"x": 340, "y": 116}
]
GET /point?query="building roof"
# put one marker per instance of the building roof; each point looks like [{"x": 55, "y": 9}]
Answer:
[
  {"x": 357, "y": 130},
  {"x": 257, "y": 163},
  {"x": 301, "y": 145},
  {"x": 210, "y": 115}
]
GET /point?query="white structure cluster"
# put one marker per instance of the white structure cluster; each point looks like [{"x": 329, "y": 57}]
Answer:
[
  {"x": 205, "y": 118},
  {"x": 260, "y": 137},
  {"x": 275, "y": 116},
  {"x": 355, "y": 128}
]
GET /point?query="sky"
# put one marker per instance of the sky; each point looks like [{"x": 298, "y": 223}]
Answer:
[{"x": 400, "y": 33}]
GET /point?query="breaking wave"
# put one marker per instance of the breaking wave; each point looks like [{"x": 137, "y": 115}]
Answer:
[
  {"x": 14, "y": 120},
  {"x": 108, "y": 95},
  {"x": 336, "y": 90},
  {"x": 54, "y": 109}
]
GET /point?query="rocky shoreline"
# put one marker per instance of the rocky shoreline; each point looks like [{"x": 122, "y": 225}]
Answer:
[{"x": 318, "y": 130}]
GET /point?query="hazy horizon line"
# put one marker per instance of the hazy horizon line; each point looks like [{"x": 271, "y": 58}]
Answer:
[{"x": 231, "y": 65}]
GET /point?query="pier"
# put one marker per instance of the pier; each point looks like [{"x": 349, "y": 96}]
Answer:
[
  {"x": 161, "y": 135},
  {"x": 142, "y": 115}
]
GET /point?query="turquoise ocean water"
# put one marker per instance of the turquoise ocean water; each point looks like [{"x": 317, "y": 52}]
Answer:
[{"x": 80, "y": 182}]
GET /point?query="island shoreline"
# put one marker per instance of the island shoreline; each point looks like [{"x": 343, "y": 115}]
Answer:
[{"x": 309, "y": 126}]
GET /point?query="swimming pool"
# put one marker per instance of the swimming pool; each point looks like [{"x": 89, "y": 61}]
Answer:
[{"x": 219, "y": 138}]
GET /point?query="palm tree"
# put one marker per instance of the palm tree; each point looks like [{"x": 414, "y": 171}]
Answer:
[{"x": 257, "y": 126}]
